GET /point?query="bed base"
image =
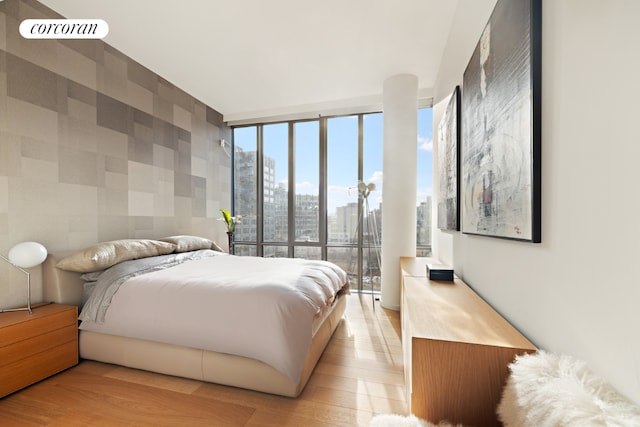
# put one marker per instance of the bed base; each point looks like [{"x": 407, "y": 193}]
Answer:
[{"x": 203, "y": 365}]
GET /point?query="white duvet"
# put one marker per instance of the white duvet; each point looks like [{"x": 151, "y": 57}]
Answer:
[{"x": 262, "y": 308}]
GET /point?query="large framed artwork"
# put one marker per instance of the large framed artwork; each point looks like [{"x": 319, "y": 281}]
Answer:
[
  {"x": 448, "y": 164},
  {"x": 500, "y": 164}
]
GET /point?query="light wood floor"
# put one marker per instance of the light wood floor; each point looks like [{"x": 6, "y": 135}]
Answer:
[{"x": 359, "y": 375}]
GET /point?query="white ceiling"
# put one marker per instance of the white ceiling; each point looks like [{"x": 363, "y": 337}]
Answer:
[{"x": 251, "y": 59}]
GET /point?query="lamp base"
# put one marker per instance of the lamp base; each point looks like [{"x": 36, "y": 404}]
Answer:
[
  {"x": 17, "y": 309},
  {"x": 28, "y": 308}
]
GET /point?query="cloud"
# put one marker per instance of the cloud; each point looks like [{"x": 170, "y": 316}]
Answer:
[
  {"x": 425, "y": 144},
  {"x": 376, "y": 177},
  {"x": 341, "y": 189},
  {"x": 306, "y": 187}
]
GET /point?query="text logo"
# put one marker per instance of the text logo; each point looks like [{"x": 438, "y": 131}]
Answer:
[{"x": 64, "y": 28}]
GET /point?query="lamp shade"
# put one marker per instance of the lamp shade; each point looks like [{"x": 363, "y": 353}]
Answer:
[{"x": 27, "y": 254}]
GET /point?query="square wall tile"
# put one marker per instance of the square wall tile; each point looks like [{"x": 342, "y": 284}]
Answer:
[
  {"x": 4, "y": 194},
  {"x": 26, "y": 119},
  {"x": 141, "y": 203}
]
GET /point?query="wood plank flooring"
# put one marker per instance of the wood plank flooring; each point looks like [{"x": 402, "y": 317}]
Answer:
[{"x": 359, "y": 375}]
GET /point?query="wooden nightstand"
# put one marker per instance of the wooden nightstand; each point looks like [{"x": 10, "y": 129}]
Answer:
[{"x": 36, "y": 346}]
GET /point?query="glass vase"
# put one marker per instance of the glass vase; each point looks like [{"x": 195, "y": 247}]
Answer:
[{"x": 230, "y": 236}]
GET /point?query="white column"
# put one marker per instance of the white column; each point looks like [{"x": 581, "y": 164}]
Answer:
[{"x": 399, "y": 169}]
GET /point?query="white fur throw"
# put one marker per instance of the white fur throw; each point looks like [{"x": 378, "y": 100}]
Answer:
[
  {"x": 548, "y": 390},
  {"x": 392, "y": 420}
]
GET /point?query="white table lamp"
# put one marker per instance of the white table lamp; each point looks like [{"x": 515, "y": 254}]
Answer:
[{"x": 25, "y": 255}]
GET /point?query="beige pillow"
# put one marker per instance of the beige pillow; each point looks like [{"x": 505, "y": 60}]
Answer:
[
  {"x": 104, "y": 255},
  {"x": 188, "y": 243},
  {"x": 216, "y": 247}
]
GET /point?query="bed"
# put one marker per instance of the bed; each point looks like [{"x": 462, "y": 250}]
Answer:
[{"x": 255, "y": 323}]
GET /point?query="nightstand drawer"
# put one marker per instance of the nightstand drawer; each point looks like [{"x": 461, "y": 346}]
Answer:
[
  {"x": 19, "y": 326},
  {"x": 28, "y": 347},
  {"x": 32, "y": 369}
]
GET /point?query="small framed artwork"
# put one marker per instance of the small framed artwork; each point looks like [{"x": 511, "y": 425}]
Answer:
[
  {"x": 448, "y": 164},
  {"x": 500, "y": 153}
]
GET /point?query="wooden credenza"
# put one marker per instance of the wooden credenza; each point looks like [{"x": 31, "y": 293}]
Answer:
[
  {"x": 35, "y": 346},
  {"x": 456, "y": 349}
]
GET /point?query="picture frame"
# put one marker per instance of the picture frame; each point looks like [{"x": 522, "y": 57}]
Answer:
[
  {"x": 449, "y": 165},
  {"x": 501, "y": 125}
]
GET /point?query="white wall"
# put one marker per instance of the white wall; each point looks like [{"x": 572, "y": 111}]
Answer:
[{"x": 578, "y": 291}]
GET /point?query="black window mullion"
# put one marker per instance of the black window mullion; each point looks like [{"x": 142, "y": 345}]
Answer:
[
  {"x": 360, "y": 237},
  {"x": 291, "y": 192},
  {"x": 259, "y": 190},
  {"x": 322, "y": 197}
]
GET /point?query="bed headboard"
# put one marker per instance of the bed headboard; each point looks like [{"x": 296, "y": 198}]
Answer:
[{"x": 60, "y": 286}]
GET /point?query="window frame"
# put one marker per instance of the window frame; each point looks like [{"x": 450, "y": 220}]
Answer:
[{"x": 258, "y": 243}]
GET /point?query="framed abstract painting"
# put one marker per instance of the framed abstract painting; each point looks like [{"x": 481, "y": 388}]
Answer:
[
  {"x": 449, "y": 164},
  {"x": 500, "y": 154}
]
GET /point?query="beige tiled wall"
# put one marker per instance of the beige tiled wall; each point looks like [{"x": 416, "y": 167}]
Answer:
[{"x": 94, "y": 147}]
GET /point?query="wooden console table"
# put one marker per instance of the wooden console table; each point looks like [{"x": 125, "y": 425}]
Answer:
[{"x": 456, "y": 349}]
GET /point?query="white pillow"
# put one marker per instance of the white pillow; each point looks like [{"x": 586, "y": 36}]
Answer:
[{"x": 549, "y": 390}]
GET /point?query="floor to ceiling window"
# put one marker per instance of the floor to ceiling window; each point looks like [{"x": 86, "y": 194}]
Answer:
[
  {"x": 424, "y": 187},
  {"x": 296, "y": 187}
]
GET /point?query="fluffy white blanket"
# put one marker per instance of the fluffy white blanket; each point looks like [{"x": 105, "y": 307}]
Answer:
[
  {"x": 549, "y": 390},
  {"x": 393, "y": 420}
]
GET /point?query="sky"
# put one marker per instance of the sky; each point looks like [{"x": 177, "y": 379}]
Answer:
[{"x": 342, "y": 155}]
